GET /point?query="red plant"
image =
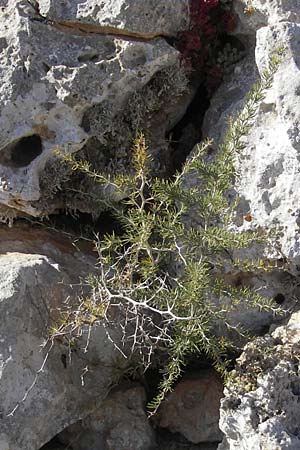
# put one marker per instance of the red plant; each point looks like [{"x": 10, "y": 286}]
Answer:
[
  {"x": 229, "y": 21},
  {"x": 208, "y": 21}
]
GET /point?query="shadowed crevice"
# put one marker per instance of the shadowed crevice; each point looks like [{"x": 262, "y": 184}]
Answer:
[{"x": 21, "y": 152}]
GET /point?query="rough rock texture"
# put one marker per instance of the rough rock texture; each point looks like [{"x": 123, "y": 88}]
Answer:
[
  {"x": 178, "y": 442},
  {"x": 269, "y": 165},
  {"x": 61, "y": 87},
  {"x": 192, "y": 409},
  {"x": 120, "y": 422},
  {"x": 35, "y": 276},
  {"x": 261, "y": 408},
  {"x": 82, "y": 76},
  {"x": 54, "y": 445},
  {"x": 157, "y": 16},
  {"x": 278, "y": 285}
]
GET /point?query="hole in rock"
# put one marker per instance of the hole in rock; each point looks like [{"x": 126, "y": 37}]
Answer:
[
  {"x": 63, "y": 358},
  {"x": 46, "y": 67},
  {"x": 26, "y": 150},
  {"x": 295, "y": 387},
  {"x": 91, "y": 56},
  {"x": 22, "y": 152},
  {"x": 55, "y": 444},
  {"x": 187, "y": 132},
  {"x": 279, "y": 299},
  {"x": 85, "y": 224}
]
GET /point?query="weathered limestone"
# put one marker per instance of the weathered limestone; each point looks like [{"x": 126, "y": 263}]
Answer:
[
  {"x": 261, "y": 405},
  {"x": 157, "y": 16},
  {"x": 269, "y": 165},
  {"x": 61, "y": 87},
  {"x": 120, "y": 422},
  {"x": 264, "y": 13},
  {"x": 33, "y": 284},
  {"x": 192, "y": 409},
  {"x": 71, "y": 81}
]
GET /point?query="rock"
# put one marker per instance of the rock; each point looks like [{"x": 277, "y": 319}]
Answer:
[
  {"x": 260, "y": 408},
  {"x": 175, "y": 441},
  {"x": 268, "y": 175},
  {"x": 120, "y": 422},
  {"x": 54, "y": 445},
  {"x": 66, "y": 89},
  {"x": 261, "y": 405},
  {"x": 278, "y": 286},
  {"x": 268, "y": 167},
  {"x": 34, "y": 406},
  {"x": 167, "y": 16},
  {"x": 192, "y": 409},
  {"x": 263, "y": 14}
]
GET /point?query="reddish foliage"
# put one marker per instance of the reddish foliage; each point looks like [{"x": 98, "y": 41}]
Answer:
[
  {"x": 214, "y": 77},
  {"x": 229, "y": 21},
  {"x": 208, "y": 21},
  {"x": 199, "y": 6}
]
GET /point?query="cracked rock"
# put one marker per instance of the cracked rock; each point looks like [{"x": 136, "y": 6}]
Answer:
[{"x": 51, "y": 76}]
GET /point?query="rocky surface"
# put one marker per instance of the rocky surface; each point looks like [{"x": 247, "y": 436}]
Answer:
[
  {"x": 269, "y": 165},
  {"x": 81, "y": 77},
  {"x": 61, "y": 89},
  {"x": 120, "y": 422},
  {"x": 36, "y": 276},
  {"x": 192, "y": 409},
  {"x": 261, "y": 405},
  {"x": 165, "y": 17}
]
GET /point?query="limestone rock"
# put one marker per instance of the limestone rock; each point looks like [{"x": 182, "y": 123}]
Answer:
[
  {"x": 53, "y": 445},
  {"x": 264, "y": 13},
  {"x": 268, "y": 167},
  {"x": 33, "y": 284},
  {"x": 192, "y": 409},
  {"x": 120, "y": 422},
  {"x": 66, "y": 89},
  {"x": 261, "y": 405},
  {"x": 167, "y": 16}
]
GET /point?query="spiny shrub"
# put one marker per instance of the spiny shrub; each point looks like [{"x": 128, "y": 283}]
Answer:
[{"x": 161, "y": 282}]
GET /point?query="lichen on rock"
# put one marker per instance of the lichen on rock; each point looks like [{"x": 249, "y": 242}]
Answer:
[
  {"x": 64, "y": 75},
  {"x": 81, "y": 77},
  {"x": 261, "y": 404}
]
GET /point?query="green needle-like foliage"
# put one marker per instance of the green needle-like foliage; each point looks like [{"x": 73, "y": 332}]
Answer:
[{"x": 161, "y": 280}]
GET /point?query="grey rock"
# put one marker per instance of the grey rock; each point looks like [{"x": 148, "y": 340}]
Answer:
[
  {"x": 192, "y": 409},
  {"x": 167, "y": 16},
  {"x": 53, "y": 79},
  {"x": 177, "y": 443},
  {"x": 54, "y": 445},
  {"x": 35, "y": 406},
  {"x": 261, "y": 405},
  {"x": 268, "y": 167},
  {"x": 120, "y": 422},
  {"x": 267, "y": 181},
  {"x": 264, "y": 13}
]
